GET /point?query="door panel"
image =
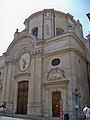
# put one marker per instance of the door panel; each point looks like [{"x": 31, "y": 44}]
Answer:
[
  {"x": 56, "y": 96},
  {"x": 22, "y": 99}
]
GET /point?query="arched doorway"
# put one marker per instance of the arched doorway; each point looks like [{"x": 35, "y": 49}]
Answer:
[
  {"x": 56, "y": 96},
  {"x": 22, "y": 98}
]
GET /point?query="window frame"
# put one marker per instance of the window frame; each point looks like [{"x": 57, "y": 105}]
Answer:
[
  {"x": 35, "y": 32},
  {"x": 59, "y": 31}
]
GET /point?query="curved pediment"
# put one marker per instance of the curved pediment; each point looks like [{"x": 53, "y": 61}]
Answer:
[{"x": 27, "y": 38}]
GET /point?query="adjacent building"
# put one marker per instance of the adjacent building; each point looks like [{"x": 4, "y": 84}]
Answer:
[{"x": 46, "y": 63}]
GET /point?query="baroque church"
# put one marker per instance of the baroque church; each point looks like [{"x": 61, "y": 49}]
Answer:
[{"x": 47, "y": 62}]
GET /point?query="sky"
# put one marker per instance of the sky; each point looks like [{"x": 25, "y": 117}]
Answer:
[{"x": 14, "y": 12}]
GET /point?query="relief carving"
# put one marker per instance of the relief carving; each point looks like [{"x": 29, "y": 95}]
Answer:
[{"x": 56, "y": 74}]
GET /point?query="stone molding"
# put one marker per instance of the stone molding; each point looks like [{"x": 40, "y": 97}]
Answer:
[
  {"x": 11, "y": 61},
  {"x": 37, "y": 52},
  {"x": 22, "y": 74},
  {"x": 63, "y": 81},
  {"x": 33, "y": 54},
  {"x": 27, "y": 37}
]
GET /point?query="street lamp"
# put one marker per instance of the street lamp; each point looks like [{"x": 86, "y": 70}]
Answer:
[{"x": 88, "y": 15}]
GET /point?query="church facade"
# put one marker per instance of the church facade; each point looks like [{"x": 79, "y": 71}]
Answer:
[{"x": 46, "y": 63}]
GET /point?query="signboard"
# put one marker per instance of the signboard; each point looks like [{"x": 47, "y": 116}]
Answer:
[{"x": 61, "y": 109}]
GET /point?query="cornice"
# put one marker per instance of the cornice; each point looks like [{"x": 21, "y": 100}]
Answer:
[
  {"x": 64, "y": 81},
  {"x": 67, "y": 50},
  {"x": 22, "y": 74},
  {"x": 66, "y": 35},
  {"x": 72, "y": 34}
]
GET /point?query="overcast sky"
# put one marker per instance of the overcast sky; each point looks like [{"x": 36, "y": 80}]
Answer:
[{"x": 14, "y": 12}]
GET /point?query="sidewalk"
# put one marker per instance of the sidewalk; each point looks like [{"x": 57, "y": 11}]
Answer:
[{"x": 30, "y": 117}]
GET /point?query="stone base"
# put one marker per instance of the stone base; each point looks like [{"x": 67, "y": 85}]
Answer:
[
  {"x": 9, "y": 107},
  {"x": 34, "y": 109}
]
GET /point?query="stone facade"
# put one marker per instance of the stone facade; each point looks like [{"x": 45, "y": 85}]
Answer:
[{"x": 48, "y": 58}]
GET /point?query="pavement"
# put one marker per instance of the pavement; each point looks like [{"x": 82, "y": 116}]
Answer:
[
  {"x": 10, "y": 118},
  {"x": 25, "y": 117}
]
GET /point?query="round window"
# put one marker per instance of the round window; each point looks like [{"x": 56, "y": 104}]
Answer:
[{"x": 55, "y": 62}]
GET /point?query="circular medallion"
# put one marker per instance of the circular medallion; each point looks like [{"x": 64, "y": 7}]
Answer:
[{"x": 24, "y": 61}]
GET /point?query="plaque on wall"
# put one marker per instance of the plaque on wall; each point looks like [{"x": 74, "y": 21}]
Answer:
[{"x": 24, "y": 61}]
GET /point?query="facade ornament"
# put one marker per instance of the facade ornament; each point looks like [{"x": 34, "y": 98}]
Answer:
[
  {"x": 11, "y": 61},
  {"x": 16, "y": 33},
  {"x": 24, "y": 61},
  {"x": 56, "y": 74},
  {"x": 38, "y": 53}
]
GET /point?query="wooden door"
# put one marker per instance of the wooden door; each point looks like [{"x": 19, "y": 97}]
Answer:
[
  {"x": 56, "y": 96},
  {"x": 22, "y": 98}
]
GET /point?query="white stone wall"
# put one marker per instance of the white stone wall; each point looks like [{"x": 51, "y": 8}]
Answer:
[{"x": 43, "y": 78}]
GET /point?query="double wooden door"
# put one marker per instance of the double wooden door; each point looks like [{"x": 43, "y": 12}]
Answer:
[
  {"x": 22, "y": 98},
  {"x": 56, "y": 96}
]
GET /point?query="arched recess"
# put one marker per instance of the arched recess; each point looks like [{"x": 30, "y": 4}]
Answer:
[
  {"x": 22, "y": 97},
  {"x": 35, "y": 32},
  {"x": 56, "y": 96},
  {"x": 59, "y": 31}
]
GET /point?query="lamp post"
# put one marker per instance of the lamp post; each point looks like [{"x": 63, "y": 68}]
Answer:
[
  {"x": 77, "y": 96},
  {"x": 88, "y": 15}
]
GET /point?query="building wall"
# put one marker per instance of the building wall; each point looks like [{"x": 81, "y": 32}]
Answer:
[{"x": 30, "y": 59}]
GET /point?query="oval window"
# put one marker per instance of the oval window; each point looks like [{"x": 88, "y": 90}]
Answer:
[{"x": 55, "y": 62}]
